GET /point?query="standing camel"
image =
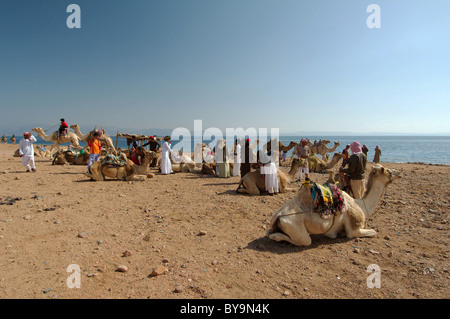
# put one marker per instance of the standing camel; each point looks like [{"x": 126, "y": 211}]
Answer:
[
  {"x": 70, "y": 138},
  {"x": 104, "y": 139}
]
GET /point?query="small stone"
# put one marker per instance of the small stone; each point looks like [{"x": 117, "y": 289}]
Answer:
[
  {"x": 82, "y": 235},
  {"x": 28, "y": 217},
  {"x": 126, "y": 253},
  {"x": 374, "y": 252},
  {"x": 178, "y": 290},
  {"x": 158, "y": 271},
  {"x": 122, "y": 268},
  {"x": 150, "y": 175},
  {"x": 202, "y": 233},
  {"x": 45, "y": 291}
]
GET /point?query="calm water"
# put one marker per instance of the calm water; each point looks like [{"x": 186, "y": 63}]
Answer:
[{"x": 396, "y": 149}]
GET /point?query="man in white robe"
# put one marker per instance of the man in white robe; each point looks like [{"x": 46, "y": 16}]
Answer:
[
  {"x": 237, "y": 159},
  {"x": 26, "y": 151},
  {"x": 166, "y": 165},
  {"x": 270, "y": 172}
]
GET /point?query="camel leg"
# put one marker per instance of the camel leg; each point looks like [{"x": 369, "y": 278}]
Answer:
[
  {"x": 354, "y": 232},
  {"x": 292, "y": 232},
  {"x": 361, "y": 232},
  {"x": 249, "y": 189},
  {"x": 136, "y": 178}
]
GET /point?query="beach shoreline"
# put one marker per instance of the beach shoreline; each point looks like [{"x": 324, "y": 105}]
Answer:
[{"x": 205, "y": 241}]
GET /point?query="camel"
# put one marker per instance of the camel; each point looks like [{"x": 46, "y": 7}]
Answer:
[
  {"x": 69, "y": 157},
  {"x": 281, "y": 148},
  {"x": 4, "y": 140},
  {"x": 39, "y": 151},
  {"x": 104, "y": 139},
  {"x": 316, "y": 165},
  {"x": 296, "y": 220},
  {"x": 321, "y": 147},
  {"x": 253, "y": 183},
  {"x": 69, "y": 138},
  {"x": 13, "y": 139},
  {"x": 128, "y": 172}
]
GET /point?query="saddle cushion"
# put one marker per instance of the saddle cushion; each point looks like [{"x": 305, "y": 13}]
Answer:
[
  {"x": 327, "y": 199},
  {"x": 114, "y": 160}
]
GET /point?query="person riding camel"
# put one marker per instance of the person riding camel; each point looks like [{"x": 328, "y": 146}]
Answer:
[{"x": 63, "y": 128}]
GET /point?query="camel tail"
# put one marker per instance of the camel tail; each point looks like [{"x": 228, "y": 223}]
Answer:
[{"x": 241, "y": 184}]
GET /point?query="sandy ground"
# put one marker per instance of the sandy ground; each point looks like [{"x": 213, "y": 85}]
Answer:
[{"x": 209, "y": 240}]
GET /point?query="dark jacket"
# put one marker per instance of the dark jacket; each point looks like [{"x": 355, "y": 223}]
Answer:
[{"x": 356, "y": 166}]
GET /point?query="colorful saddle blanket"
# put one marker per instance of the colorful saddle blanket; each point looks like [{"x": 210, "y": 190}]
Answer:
[
  {"x": 327, "y": 199},
  {"x": 114, "y": 160}
]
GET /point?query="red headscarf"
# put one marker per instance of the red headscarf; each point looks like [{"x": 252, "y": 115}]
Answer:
[{"x": 356, "y": 147}]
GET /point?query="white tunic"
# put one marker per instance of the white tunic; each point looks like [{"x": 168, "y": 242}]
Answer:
[
  {"x": 237, "y": 161},
  {"x": 271, "y": 177},
  {"x": 26, "y": 149},
  {"x": 26, "y": 146},
  {"x": 166, "y": 166}
]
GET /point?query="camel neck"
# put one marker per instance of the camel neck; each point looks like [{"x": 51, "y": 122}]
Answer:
[{"x": 370, "y": 201}]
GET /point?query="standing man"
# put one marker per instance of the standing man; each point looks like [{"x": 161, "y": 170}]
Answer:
[
  {"x": 303, "y": 152},
  {"x": 237, "y": 158},
  {"x": 95, "y": 147},
  {"x": 26, "y": 151},
  {"x": 356, "y": 170},
  {"x": 376, "y": 158},
  {"x": 166, "y": 165}
]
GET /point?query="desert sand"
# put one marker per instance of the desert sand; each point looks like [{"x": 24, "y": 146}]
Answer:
[{"x": 201, "y": 239}]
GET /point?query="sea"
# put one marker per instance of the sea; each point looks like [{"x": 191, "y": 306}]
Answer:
[{"x": 394, "y": 149}]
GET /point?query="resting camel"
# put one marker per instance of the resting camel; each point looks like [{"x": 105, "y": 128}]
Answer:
[
  {"x": 69, "y": 157},
  {"x": 39, "y": 151},
  {"x": 321, "y": 147},
  {"x": 316, "y": 165},
  {"x": 295, "y": 220},
  {"x": 128, "y": 172},
  {"x": 253, "y": 183},
  {"x": 69, "y": 138},
  {"x": 105, "y": 140}
]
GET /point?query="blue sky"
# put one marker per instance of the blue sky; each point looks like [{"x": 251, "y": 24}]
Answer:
[{"x": 294, "y": 65}]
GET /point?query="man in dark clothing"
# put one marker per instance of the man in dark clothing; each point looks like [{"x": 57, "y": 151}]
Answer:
[
  {"x": 245, "y": 160},
  {"x": 356, "y": 170},
  {"x": 154, "y": 146}
]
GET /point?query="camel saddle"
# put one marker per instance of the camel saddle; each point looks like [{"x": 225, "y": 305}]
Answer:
[
  {"x": 327, "y": 199},
  {"x": 113, "y": 160}
]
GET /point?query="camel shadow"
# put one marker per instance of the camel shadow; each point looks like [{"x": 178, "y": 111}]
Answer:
[
  {"x": 220, "y": 184},
  {"x": 265, "y": 244},
  {"x": 64, "y": 173}
]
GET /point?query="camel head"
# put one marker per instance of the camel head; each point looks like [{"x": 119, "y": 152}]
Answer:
[
  {"x": 337, "y": 143},
  {"x": 151, "y": 155},
  {"x": 74, "y": 126},
  {"x": 386, "y": 174},
  {"x": 338, "y": 155},
  {"x": 38, "y": 130}
]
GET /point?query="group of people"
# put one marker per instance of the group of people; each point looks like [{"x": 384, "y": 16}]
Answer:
[{"x": 353, "y": 166}]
